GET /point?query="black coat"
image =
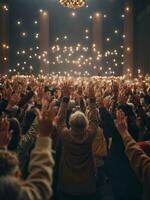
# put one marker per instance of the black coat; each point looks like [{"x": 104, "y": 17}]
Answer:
[{"x": 124, "y": 182}]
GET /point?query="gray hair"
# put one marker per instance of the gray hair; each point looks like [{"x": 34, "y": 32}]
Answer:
[{"x": 78, "y": 121}]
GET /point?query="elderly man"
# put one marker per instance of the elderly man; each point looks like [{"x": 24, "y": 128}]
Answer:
[{"x": 77, "y": 178}]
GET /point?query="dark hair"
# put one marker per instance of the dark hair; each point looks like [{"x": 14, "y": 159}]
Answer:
[
  {"x": 8, "y": 163},
  {"x": 10, "y": 189}
]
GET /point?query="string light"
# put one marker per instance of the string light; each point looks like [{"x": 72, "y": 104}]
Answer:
[{"x": 77, "y": 54}]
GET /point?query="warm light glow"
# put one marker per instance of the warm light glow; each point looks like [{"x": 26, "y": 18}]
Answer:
[
  {"x": 108, "y": 39},
  {"x": 5, "y": 8},
  {"x": 128, "y": 49},
  {"x": 73, "y": 4},
  {"x": 97, "y": 14},
  {"x": 45, "y": 13},
  {"x": 73, "y": 14},
  {"x": 24, "y": 34},
  {"x": 127, "y": 9},
  {"x": 18, "y": 22}
]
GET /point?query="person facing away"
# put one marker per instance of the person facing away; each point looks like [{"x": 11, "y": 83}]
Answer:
[{"x": 77, "y": 171}]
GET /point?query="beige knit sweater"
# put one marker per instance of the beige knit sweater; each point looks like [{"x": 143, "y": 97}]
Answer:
[
  {"x": 38, "y": 185},
  {"x": 139, "y": 162}
]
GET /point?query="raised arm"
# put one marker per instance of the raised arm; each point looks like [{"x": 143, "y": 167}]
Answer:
[
  {"x": 93, "y": 113},
  {"x": 139, "y": 161},
  {"x": 39, "y": 182},
  {"x": 25, "y": 147},
  {"x": 62, "y": 114}
]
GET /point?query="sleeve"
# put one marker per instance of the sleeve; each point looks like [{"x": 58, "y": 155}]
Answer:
[
  {"x": 139, "y": 161},
  {"x": 61, "y": 120},
  {"x": 25, "y": 147},
  {"x": 93, "y": 119},
  {"x": 107, "y": 122},
  {"x": 39, "y": 183}
]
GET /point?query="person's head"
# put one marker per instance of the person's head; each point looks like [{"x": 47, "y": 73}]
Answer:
[
  {"x": 78, "y": 121},
  {"x": 9, "y": 164},
  {"x": 10, "y": 189}
]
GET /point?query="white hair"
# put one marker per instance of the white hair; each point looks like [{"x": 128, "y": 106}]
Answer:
[{"x": 78, "y": 121}]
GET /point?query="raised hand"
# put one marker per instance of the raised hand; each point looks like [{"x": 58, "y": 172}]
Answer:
[
  {"x": 45, "y": 119},
  {"x": 122, "y": 98},
  {"x": 66, "y": 89},
  {"x": 91, "y": 91},
  {"x": 107, "y": 102},
  {"x": 121, "y": 122},
  {"x": 80, "y": 92}
]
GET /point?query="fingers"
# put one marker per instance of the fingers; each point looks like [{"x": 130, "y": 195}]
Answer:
[
  {"x": 47, "y": 113},
  {"x": 120, "y": 115}
]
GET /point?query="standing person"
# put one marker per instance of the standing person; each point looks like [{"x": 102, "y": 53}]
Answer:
[
  {"x": 38, "y": 184},
  {"x": 139, "y": 161},
  {"x": 77, "y": 171},
  {"x": 121, "y": 175}
]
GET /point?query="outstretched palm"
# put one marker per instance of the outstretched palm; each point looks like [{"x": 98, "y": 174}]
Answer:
[{"x": 121, "y": 122}]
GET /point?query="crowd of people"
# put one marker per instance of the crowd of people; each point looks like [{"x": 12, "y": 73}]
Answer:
[{"x": 61, "y": 137}]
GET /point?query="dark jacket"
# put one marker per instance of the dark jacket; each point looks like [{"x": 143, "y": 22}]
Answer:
[
  {"x": 140, "y": 163},
  {"x": 124, "y": 181}
]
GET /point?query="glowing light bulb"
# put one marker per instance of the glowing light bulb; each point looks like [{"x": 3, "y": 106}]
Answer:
[
  {"x": 97, "y": 14},
  {"x": 128, "y": 49},
  {"x": 73, "y": 14},
  {"x": 127, "y": 9},
  {"x": 45, "y": 13},
  {"x": 18, "y": 22},
  {"x": 24, "y": 34}
]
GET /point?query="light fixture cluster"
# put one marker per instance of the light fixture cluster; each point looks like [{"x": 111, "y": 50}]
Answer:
[{"x": 73, "y": 4}]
